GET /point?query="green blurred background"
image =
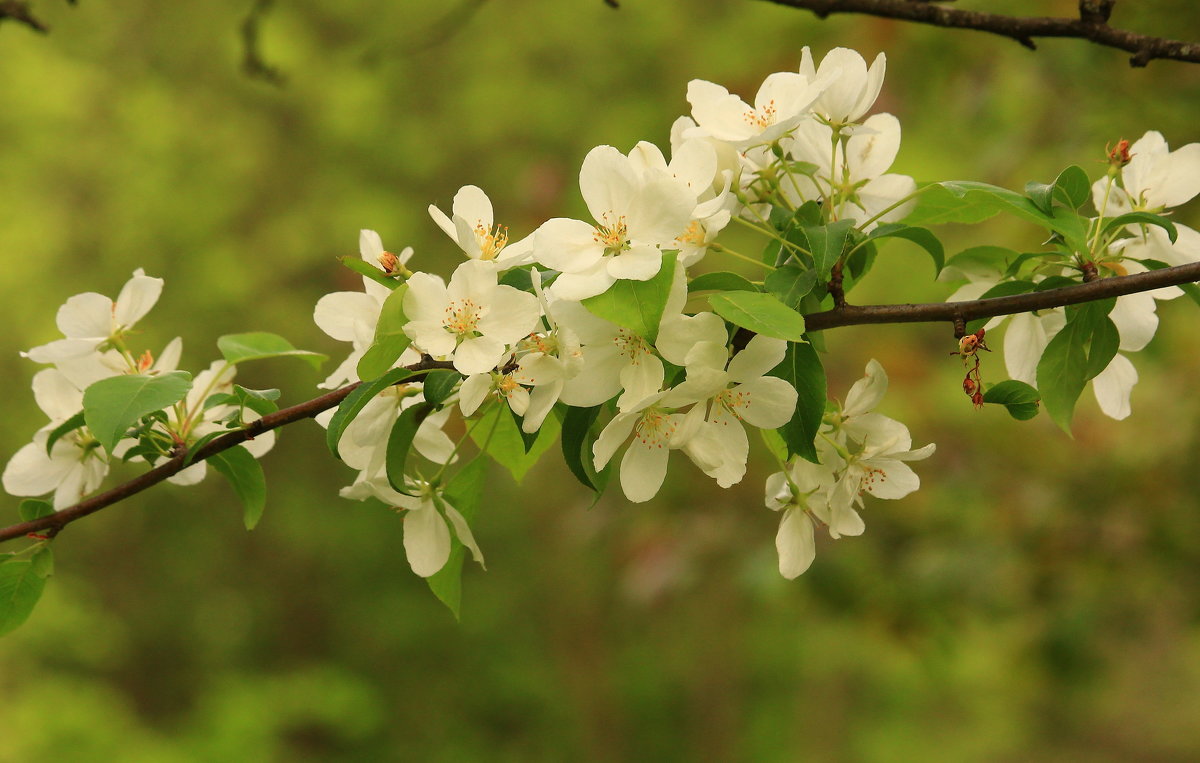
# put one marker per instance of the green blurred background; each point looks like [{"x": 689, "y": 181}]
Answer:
[{"x": 1036, "y": 600}]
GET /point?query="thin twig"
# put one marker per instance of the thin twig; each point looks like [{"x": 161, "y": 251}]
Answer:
[
  {"x": 1092, "y": 25},
  {"x": 19, "y": 11}
]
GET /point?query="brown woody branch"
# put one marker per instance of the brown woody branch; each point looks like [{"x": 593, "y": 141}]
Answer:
[
  {"x": 1091, "y": 25},
  {"x": 55, "y": 522},
  {"x": 19, "y": 11},
  {"x": 957, "y": 313}
]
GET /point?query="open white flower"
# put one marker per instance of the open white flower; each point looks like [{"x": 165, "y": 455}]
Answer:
[
  {"x": 635, "y": 213},
  {"x": 853, "y": 88},
  {"x": 472, "y": 318},
  {"x": 75, "y": 465},
  {"x": 800, "y": 492},
  {"x": 89, "y": 321},
  {"x": 782, "y": 101},
  {"x": 1154, "y": 179},
  {"x": 472, "y": 228},
  {"x": 656, "y": 430}
]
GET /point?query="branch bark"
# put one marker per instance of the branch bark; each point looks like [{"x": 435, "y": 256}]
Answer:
[
  {"x": 19, "y": 11},
  {"x": 956, "y": 313},
  {"x": 1092, "y": 25}
]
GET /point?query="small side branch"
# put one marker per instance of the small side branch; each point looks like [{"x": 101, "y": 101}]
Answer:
[
  {"x": 1091, "y": 25},
  {"x": 19, "y": 12}
]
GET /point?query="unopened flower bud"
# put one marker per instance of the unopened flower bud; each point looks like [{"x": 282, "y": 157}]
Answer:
[
  {"x": 1120, "y": 156},
  {"x": 977, "y": 399},
  {"x": 969, "y": 386}
]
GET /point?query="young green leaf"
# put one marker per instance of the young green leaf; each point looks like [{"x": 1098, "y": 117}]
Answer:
[
  {"x": 1086, "y": 341},
  {"x": 720, "y": 281},
  {"x": 438, "y": 385},
  {"x": 922, "y": 237},
  {"x": 791, "y": 284},
  {"x": 636, "y": 305},
  {"x": 826, "y": 244},
  {"x": 464, "y": 492},
  {"x": 761, "y": 313},
  {"x": 1072, "y": 187},
  {"x": 577, "y": 440},
  {"x": 1143, "y": 218},
  {"x": 20, "y": 588},
  {"x": 801, "y": 367},
  {"x": 1019, "y": 398},
  {"x": 257, "y": 345},
  {"x": 354, "y": 403},
  {"x": 390, "y": 340},
  {"x": 498, "y": 435},
  {"x": 33, "y": 508},
  {"x": 70, "y": 425},
  {"x": 111, "y": 406},
  {"x": 246, "y": 475},
  {"x": 400, "y": 442},
  {"x": 364, "y": 268}
]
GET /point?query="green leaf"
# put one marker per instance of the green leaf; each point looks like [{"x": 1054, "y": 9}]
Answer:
[
  {"x": 464, "y": 492},
  {"x": 353, "y": 404},
  {"x": 33, "y": 508},
  {"x": 20, "y": 588},
  {"x": 937, "y": 205},
  {"x": 364, "y": 268},
  {"x": 246, "y": 475},
  {"x": 577, "y": 440},
  {"x": 761, "y": 313},
  {"x": 791, "y": 284},
  {"x": 111, "y": 406},
  {"x": 922, "y": 237},
  {"x": 400, "y": 442},
  {"x": 720, "y": 281},
  {"x": 1073, "y": 353},
  {"x": 43, "y": 562},
  {"x": 1072, "y": 187},
  {"x": 261, "y": 401},
  {"x": 1019, "y": 398},
  {"x": 439, "y": 385},
  {"x": 390, "y": 340},
  {"x": 498, "y": 435},
  {"x": 70, "y": 425},
  {"x": 636, "y": 305},
  {"x": 977, "y": 262},
  {"x": 1000, "y": 199},
  {"x": 1041, "y": 194},
  {"x": 257, "y": 345},
  {"x": 801, "y": 367},
  {"x": 1143, "y": 218},
  {"x": 826, "y": 243}
]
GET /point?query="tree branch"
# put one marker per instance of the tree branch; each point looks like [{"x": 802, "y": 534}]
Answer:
[
  {"x": 55, "y": 522},
  {"x": 19, "y": 11},
  {"x": 852, "y": 315},
  {"x": 1092, "y": 25},
  {"x": 956, "y": 313}
]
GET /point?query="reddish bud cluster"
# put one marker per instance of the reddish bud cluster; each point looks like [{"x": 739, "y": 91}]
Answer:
[
  {"x": 969, "y": 347},
  {"x": 1119, "y": 156}
]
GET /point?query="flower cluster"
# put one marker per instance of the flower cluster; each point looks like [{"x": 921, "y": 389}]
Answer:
[
  {"x": 594, "y": 314},
  {"x": 66, "y": 456},
  {"x": 1145, "y": 180}
]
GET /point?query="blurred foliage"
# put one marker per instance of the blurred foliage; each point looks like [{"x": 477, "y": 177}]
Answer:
[{"x": 1035, "y": 601}]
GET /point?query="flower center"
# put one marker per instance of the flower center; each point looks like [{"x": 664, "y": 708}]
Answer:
[
  {"x": 491, "y": 240},
  {"x": 761, "y": 118},
  {"x": 631, "y": 345},
  {"x": 612, "y": 235},
  {"x": 462, "y": 317},
  {"x": 654, "y": 428},
  {"x": 734, "y": 400},
  {"x": 694, "y": 234}
]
